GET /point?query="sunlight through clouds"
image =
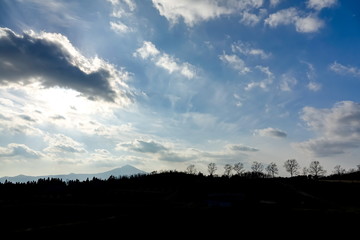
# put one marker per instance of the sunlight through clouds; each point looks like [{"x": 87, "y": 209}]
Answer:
[{"x": 163, "y": 84}]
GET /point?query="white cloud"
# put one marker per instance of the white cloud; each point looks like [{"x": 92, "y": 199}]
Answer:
[
  {"x": 147, "y": 50},
  {"x": 320, "y": 4},
  {"x": 308, "y": 24},
  {"x": 248, "y": 50},
  {"x": 274, "y": 3},
  {"x": 282, "y": 17},
  {"x": 119, "y": 27},
  {"x": 304, "y": 24},
  {"x": 251, "y": 19},
  {"x": 345, "y": 70},
  {"x": 173, "y": 65},
  {"x": 235, "y": 62},
  {"x": 270, "y": 132},
  {"x": 310, "y": 73},
  {"x": 61, "y": 144},
  {"x": 311, "y": 76},
  {"x": 131, "y": 5},
  {"x": 287, "y": 83},
  {"x": 18, "y": 150},
  {"x": 338, "y": 129},
  {"x": 314, "y": 86},
  {"x": 190, "y": 11},
  {"x": 193, "y": 12},
  {"x": 264, "y": 83}
]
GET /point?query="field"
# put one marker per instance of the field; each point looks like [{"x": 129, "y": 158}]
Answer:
[{"x": 180, "y": 203}]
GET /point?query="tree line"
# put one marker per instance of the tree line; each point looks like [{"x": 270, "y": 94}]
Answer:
[{"x": 315, "y": 169}]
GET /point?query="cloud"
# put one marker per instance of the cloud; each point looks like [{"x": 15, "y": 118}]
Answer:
[
  {"x": 157, "y": 150},
  {"x": 311, "y": 76},
  {"x": 27, "y": 118},
  {"x": 338, "y": 129},
  {"x": 172, "y": 156},
  {"x": 287, "y": 83},
  {"x": 270, "y": 132},
  {"x": 242, "y": 148},
  {"x": 248, "y": 50},
  {"x": 142, "y": 146},
  {"x": 190, "y": 11},
  {"x": 235, "y": 62},
  {"x": 345, "y": 70},
  {"x": 165, "y": 61},
  {"x": 59, "y": 143},
  {"x": 18, "y": 150},
  {"x": 282, "y": 17},
  {"x": 193, "y": 12},
  {"x": 314, "y": 86},
  {"x": 119, "y": 5},
  {"x": 147, "y": 50},
  {"x": 264, "y": 83},
  {"x": 308, "y": 24},
  {"x": 120, "y": 27},
  {"x": 274, "y": 3},
  {"x": 49, "y": 59},
  {"x": 304, "y": 24},
  {"x": 251, "y": 19},
  {"x": 320, "y": 4}
]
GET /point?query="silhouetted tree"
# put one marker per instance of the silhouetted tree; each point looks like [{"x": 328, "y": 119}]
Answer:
[
  {"x": 227, "y": 169},
  {"x": 239, "y": 168},
  {"x": 257, "y": 167},
  {"x": 292, "y": 167},
  {"x": 316, "y": 169},
  {"x": 212, "y": 168},
  {"x": 272, "y": 169},
  {"x": 339, "y": 170},
  {"x": 191, "y": 169},
  {"x": 305, "y": 171}
]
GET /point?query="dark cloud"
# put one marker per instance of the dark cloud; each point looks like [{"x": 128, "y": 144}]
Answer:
[
  {"x": 144, "y": 146},
  {"x": 51, "y": 60},
  {"x": 243, "y": 148},
  {"x": 27, "y": 118},
  {"x": 175, "y": 157},
  {"x": 58, "y": 117}
]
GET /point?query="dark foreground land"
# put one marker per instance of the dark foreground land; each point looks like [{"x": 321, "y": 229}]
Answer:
[{"x": 183, "y": 204}]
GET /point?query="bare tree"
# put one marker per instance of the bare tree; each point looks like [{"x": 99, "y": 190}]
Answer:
[
  {"x": 272, "y": 169},
  {"x": 212, "y": 168},
  {"x": 339, "y": 170},
  {"x": 239, "y": 168},
  {"x": 257, "y": 167},
  {"x": 305, "y": 171},
  {"x": 292, "y": 166},
  {"x": 227, "y": 169},
  {"x": 191, "y": 169},
  {"x": 316, "y": 169}
]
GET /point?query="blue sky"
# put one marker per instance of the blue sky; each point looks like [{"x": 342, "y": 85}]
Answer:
[{"x": 86, "y": 86}]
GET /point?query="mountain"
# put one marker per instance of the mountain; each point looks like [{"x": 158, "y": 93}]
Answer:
[{"x": 126, "y": 170}]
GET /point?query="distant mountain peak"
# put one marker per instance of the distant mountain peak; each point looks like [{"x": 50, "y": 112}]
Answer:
[{"x": 126, "y": 170}]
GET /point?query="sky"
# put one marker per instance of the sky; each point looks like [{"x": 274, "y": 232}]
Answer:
[{"x": 90, "y": 85}]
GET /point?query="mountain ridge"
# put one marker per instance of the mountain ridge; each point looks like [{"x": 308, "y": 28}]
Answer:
[{"x": 126, "y": 170}]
